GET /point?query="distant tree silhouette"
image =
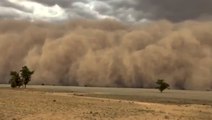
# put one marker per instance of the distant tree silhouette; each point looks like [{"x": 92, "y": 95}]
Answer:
[
  {"x": 162, "y": 85},
  {"x": 26, "y": 75}
]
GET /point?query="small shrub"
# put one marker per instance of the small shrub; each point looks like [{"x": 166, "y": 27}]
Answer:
[{"x": 13, "y": 83}]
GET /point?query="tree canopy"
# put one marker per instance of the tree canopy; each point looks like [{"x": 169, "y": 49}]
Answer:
[
  {"x": 162, "y": 85},
  {"x": 26, "y": 75}
]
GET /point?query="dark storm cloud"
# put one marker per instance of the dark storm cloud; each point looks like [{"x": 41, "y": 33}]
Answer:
[
  {"x": 124, "y": 10},
  {"x": 62, "y": 3},
  {"x": 175, "y": 10}
]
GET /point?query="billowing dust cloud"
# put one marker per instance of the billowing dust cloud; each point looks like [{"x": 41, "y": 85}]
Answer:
[{"x": 109, "y": 53}]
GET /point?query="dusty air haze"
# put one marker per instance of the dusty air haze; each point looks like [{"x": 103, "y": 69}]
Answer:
[{"x": 83, "y": 43}]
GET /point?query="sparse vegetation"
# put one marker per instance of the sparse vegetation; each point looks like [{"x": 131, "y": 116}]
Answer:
[
  {"x": 20, "y": 79},
  {"x": 162, "y": 85}
]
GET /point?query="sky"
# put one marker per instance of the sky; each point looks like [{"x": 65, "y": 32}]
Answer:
[{"x": 121, "y": 10}]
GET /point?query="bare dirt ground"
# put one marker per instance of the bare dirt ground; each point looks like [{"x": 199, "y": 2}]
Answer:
[{"x": 28, "y": 104}]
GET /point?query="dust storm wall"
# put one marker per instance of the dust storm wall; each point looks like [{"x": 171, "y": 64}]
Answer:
[{"x": 109, "y": 53}]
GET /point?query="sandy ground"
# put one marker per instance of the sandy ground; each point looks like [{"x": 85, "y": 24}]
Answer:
[{"x": 25, "y": 104}]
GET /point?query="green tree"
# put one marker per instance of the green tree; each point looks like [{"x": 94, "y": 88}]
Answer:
[
  {"x": 26, "y": 75},
  {"x": 162, "y": 85},
  {"x": 15, "y": 80}
]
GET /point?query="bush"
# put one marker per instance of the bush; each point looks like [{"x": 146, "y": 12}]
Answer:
[
  {"x": 15, "y": 80},
  {"x": 13, "y": 83}
]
